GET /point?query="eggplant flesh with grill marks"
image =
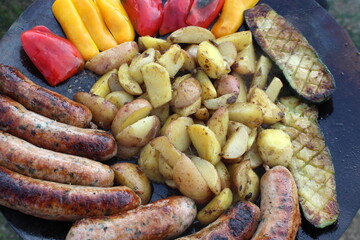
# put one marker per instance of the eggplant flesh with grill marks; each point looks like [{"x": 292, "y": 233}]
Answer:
[
  {"x": 311, "y": 164},
  {"x": 290, "y": 50}
]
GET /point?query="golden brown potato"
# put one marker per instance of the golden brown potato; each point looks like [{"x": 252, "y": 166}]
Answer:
[
  {"x": 130, "y": 175},
  {"x": 101, "y": 86},
  {"x": 215, "y": 207},
  {"x": 161, "y": 112},
  {"x": 202, "y": 114},
  {"x": 208, "y": 90},
  {"x": 191, "y": 109},
  {"x": 126, "y": 152},
  {"x": 235, "y": 146},
  {"x": 249, "y": 114},
  {"x": 158, "y": 85},
  {"x": 211, "y": 60},
  {"x": 168, "y": 151},
  {"x": 112, "y": 58},
  {"x": 173, "y": 60},
  {"x": 149, "y": 162},
  {"x": 223, "y": 174},
  {"x": 245, "y": 62},
  {"x": 253, "y": 156},
  {"x": 119, "y": 98},
  {"x": 222, "y": 101},
  {"x": 147, "y": 42},
  {"x": 165, "y": 169},
  {"x": 190, "y": 182},
  {"x": 253, "y": 188},
  {"x": 138, "y": 61},
  {"x": 275, "y": 147},
  {"x": 227, "y": 84},
  {"x": 127, "y": 82},
  {"x": 235, "y": 125},
  {"x": 139, "y": 133},
  {"x": 228, "y": 51},
  {"x": 190, "y": 34},
  {"x": 205, "y": 142},
  {"x": 114, "y": 83},
  {"x": 219, "y": 123},
  {"x": 189, "y": 62},
  {"x": 129, "y": 114},
  {"x": 176, "y": 132},
  {"x": 274, "y": 88},
  {"x": 188, "y": 91},
  {"x": 240, "y": 39},
  {"x": 103, "y": 111},
  {"x": 262, "y": 70}
]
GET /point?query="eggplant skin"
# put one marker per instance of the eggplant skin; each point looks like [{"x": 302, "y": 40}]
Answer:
[
  {"x": 311, "y": 164},
  {"x": 289, "y": 49}
]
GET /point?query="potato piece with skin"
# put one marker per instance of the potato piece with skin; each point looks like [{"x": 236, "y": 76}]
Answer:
[
  {"x": 146, "y": 42},
  {"x": 165, "y": 169},
  {"x": 202, "y": 114},
  {"x": 253, "y": 156},
  {"x": 211, "y": 60},
  {"x": 161, "y": 112},
  {"x": 262, "y": 70},
  {"x": 190, "y": 34},
  {"x": 190, "y": 182},
  {"x": 177, "y": 134},
  {"x": 245, "y": 62},
  {"x": 119, "y": 98},
  {"x": 138, "y": 61},
  {"x": 228, "y": 51},
  {"x": 114, "y": 83},
  {"x": 208, "y": 90},
  {"x": 127, "y": 82},
  {"x": 129, "y": 114},
  {"x": 192, "y": 50},
  {"x": 101, "y": 86},
  {"x": 271, "y": 112},
  {"x": 189, "y": 62},
  {"x": 112, "y": 58},
  {"x": 249, "y": 114},
  {"x": 103, "y": 111},
  {"x": 215, "y": 207},
  {"x": 169, "y": 120},
  {"x": 235, "y": 146},
  {"x": 130, "y": 175},
  {"x": 242, "y": 95},
  {"x": 139, "y": 133},
  {"x": 191, "y": 109},
  {"x": 274, "y": 88},
  {"x": 126, "y": 152},
  {"x": 219, "y": 123},
  {"x": 224, "y": 175},
  {"x": 241, "y": 40},
  {"x": 169, "y": 152},
  {"x": 188, "y": 91},
  {"x": 149, "y": 162},
  {"x": 173, "y": 60},
  {"x": 158, "y": 85},
  {"x": 222, "y": 101},
  {"x": 209, "y": 173},
  {"x": 239, "y": 173},
  {"x": 205, "y": 142},
  {"x": 253, "y": 188},
  {"x": 227, "y": 84},
  {"x": 235, "y": 125},
  {"x": 275, "y": 147}
]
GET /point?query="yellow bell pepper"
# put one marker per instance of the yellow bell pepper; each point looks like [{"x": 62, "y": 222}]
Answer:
[
  {"x": 95, "y": 24},
  {"x": 232, "y": 16},
  {"x": 117, "y": 20},
  {"x": 75, "y": 30}
]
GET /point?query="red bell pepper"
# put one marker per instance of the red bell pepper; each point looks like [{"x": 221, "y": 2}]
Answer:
[
  {"x": 145, "y": 15},
  {"x": 175, "y": 14},
  {"x": 55, "y": 57},
  {"x": 204, "y": 12}
]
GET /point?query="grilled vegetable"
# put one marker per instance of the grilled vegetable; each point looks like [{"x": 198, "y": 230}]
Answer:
[
  {"x": 311, "y": 164},
  {"x": 203, "y": 12},
  {"x": 298, "y": 60},
  {"x": 175, "y": 13}
]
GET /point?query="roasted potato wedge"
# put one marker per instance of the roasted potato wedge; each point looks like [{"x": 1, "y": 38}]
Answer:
[
  {"x": 228, "y": 51},
  {"x": 235, "y": 146},
  {"x": 157, "y": 81},
  {"x": 187, "y": 92},
  {"x": 219, "y": 123},
  {"x": 165, "y": 169},
  {"x": 191, "y": 109},
  {"x": 205, "y": 142},
  {"x": 262, "y": 70},
  {"x": 126, "y": 152},
  {"x": 112, "y": 58},
  {"x": 202, "y": 114},
  {"x": 129, "y": 114},
  {"x": 173, "y": 60},
  {"x": 177, "y": 134},
  {"x": 189, "y": 62},
  {"x": 249, "y": 114},
  {"x": 190, "y": 34},
  {"x": 119, "y": 98},
  {"x": 127, "y": 82},
  {"x": 241, "y": 40},
  {"x": 169, "y": 152},
  {"x": 208, "y": 90},
  {"x": 227, "y": 84},
  {"x": 130, "y": 175},
  {"x": 138, "y": 61},
  {"x": 149, "y": 162},
  {"x": 245, "y": 62},
  {"x": 224, "y": 175},
  {"x": 147, "y": 42},
  {"x": 103, "y": 111},
  {"x": 222, "y": 101},
  {"x": 101, "y": 86},
  {"x": 253, "y": 187},
  {"x": 274, "y": 88}
]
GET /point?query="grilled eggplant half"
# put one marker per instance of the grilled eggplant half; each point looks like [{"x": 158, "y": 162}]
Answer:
[
  {"x": 289, "y": 49},
  {"x": 311, "y": 164}
]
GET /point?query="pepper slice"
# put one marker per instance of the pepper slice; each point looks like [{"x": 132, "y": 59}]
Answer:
[
  {"x": 55, "y": 57},
  {"x": 146, "y": 15},
  {"x": 175, "y": 14},
  {"x": 204, "y": 12}
]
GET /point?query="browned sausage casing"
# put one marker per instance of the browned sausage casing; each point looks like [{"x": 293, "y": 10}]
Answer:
[
  {"x": 41, "y": 100},
  {"x": 60, "y": 137},
  {"x": 162, "y": 219},
  {"x": 280, "y": 212},
  {"x": 237, "y": 223},
  {"x": 62, "y": 202},
  {"x": 27, "y": 159}
]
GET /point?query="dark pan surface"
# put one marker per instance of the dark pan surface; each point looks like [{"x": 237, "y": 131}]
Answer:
[{"x": 339, "y": 117}]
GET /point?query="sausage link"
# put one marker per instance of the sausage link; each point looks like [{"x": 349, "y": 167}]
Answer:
[
  {"x": 62, "y": 202},
  {"x": 41, "y": 100},
  {"x": 27, "y": 159},
  {"x": 237, "y": 223},
  {"x": 162, "y": 219},
  {"x": 280, "y": 212},
  {"x": 60, "y": 137}
]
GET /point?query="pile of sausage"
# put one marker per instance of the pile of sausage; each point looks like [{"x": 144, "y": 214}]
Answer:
[{"x": 47, "y": 170}]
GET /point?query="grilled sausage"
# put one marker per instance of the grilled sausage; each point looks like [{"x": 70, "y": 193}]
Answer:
[
  {"x": 162, "y": 219},
  {"x": 60, "y": 137},
  {"x": 27, "y": 159},
  {"x": 62, "y": 202},
  {"x": 280, "y": 212},
  {"x": 237, "y": 223},
  {"x": 41, "y": 100}
]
